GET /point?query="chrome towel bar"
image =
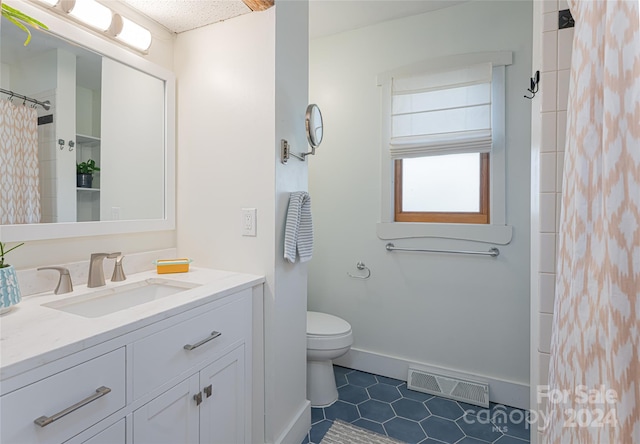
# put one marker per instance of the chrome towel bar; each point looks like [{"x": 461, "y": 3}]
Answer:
[{"x": 493, "y": 252}]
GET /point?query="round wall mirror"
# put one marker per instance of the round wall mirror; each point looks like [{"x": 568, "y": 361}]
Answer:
[{"x": 313, "y": 123}]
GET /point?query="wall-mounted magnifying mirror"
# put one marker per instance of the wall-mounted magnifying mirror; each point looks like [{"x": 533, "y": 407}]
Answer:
[
  {"x": 313, "y": 123},
  {"x": 313, "y": 127}
]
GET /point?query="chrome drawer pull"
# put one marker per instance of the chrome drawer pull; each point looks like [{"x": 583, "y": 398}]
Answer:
[
  {"x": 44, "y": 420},
  {"x": 214, "y": 334}
]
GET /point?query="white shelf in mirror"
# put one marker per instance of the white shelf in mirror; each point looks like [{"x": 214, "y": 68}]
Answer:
[{"x": 89, "y": 141}]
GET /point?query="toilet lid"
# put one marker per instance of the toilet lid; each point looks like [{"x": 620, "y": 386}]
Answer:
[{"x": 323, "y": 324}]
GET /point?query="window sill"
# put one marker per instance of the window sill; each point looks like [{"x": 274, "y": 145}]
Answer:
[{"x": 491, "y": 234}]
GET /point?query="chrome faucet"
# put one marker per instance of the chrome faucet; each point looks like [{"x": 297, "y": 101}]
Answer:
[
  {"x": 96, "y": 271},
  {"x": 64, "y": 283}
]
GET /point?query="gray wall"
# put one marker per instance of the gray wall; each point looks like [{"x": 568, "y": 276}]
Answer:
[{"x": 469, "y": 314}]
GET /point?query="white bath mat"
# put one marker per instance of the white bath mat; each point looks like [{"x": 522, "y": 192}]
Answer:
[{"x": 344, "y": 433}]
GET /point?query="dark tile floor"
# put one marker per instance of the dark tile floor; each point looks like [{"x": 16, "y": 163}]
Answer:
[{"x": 386, "y": 406}]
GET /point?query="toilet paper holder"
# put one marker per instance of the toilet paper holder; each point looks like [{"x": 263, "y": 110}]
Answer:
[{"x": 360, "y": 266}]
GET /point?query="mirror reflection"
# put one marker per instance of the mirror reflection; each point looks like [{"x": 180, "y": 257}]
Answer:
[
  {"x": 313, "y": 120},
  {"x": 106, "y": 120}
]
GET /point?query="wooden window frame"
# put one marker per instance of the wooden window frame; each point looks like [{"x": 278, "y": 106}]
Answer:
[{"x": 481, "y": 217}]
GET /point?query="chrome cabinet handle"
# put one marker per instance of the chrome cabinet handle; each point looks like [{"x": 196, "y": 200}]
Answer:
[
  {"x": 208, "y": 390},
  {"x": 214, "y": 334},
  {"x": 44, "y": 420}
]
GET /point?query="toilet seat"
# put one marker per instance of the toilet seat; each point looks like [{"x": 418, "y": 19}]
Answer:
[
  {"x": 327, "y": 332},
  {"x": 323, "y": 324}
]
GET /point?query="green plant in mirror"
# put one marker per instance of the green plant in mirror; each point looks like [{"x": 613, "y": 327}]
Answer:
[
  {"x": 87, "y": 167},
  {"x": 3, "y": 252},
  {"x": 21, "y": 20}
]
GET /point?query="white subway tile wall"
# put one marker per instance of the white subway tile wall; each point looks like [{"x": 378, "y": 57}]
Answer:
[
  {"x": 562, "y": 5},
  {"x": 561, "y": 130},
  {"x": 548, "y": 172},
  {"x": 548, "y": 212},
  {"x": 549, "y": 138},
  {"x": 548, "y": 94},
  {"x": 559, "y": 169},
  {"x": 543, "y": 366},
  {"x": 550, "y": 50},
  {"x": 547, "y": 252},
  {"x": 565, "y": 43},
  {"x": 549, "y": 6},
  {"x": 563, "y": 89},
  {"x": 558, "y": 209},
  {"x": 554, "y": 88},
  {"x": 47, "y": 159},
  {"x": 547, "y": 292},
  {"x": 550, "y": 21},
  {"x": 544, "y": 339}
]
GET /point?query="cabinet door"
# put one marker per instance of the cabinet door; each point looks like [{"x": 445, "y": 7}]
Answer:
[
  {"x": 112, "y": 435},
  {"x": 170, "y": 418},
  {"x": 222, "y": 414}
]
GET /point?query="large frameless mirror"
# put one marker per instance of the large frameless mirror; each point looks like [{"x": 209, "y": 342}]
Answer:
[{"x": 112, "y": 113}]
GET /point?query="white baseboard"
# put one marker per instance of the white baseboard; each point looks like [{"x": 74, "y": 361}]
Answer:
[
  {"x": 500, "y": 391},
  {"x": 298, "y": 427}
]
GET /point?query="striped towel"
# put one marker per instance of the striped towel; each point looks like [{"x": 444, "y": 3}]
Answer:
[{"x": 298, "y": 236}]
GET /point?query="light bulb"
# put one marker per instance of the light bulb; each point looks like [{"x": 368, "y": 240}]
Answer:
[
  {"x": 131, "y": 33},
  {"x": 50, "y": 2},
  {"x": 92, "y": 13}
]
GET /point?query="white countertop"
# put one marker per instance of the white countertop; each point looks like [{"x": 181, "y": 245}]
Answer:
[{"x": 32, "y": 335}]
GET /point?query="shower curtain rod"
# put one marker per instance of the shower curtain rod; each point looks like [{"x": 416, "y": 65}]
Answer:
[{"x": 46, "y": 104}]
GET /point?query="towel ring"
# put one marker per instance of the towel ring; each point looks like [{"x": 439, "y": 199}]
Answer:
[{"x": 360, "y": 266}]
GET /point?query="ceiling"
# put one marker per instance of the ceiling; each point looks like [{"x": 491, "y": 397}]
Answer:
[
  {"x": 326, "y": 17},
  {"x": 183, "y": 15}
]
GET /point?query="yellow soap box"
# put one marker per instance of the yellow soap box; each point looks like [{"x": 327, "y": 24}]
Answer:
[{"x": 164, "y": 266}]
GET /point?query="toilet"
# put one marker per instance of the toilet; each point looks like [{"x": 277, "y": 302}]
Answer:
[{"x": 328, "y": 337}]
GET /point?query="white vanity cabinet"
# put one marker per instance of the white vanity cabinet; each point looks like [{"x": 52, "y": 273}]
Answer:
[
  {"x": 170, "y": 352},
  {"x": 208, "y": 407},
  {"x": 112, "y": 435},
  {"x": 183, "y": 378}
]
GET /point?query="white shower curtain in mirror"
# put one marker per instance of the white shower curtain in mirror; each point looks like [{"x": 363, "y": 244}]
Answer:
[
  {"x": 594, "y": 380},
  {"x": 19, "y": 193}
]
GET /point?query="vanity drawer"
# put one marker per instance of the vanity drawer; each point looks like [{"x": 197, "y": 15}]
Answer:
[
  {"x": 164, "y": 355},
  {"x": 95, "y": 387}
]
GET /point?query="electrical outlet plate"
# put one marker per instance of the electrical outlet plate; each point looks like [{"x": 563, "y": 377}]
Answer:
[{"x": 248, "y": 221}]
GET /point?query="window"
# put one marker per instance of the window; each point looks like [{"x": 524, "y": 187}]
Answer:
[
  {"x": 440, "y": 143},
  {"x": 421, "y": 150},
  {"x": 450, "y": 188}
]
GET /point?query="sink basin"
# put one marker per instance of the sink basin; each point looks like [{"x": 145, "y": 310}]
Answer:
[{"x": 106, "y": 301}]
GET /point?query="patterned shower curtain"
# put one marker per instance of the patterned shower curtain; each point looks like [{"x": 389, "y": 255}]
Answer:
[
  {"x": 594, "y": 381},
  {"x": 19, "y": 188}
]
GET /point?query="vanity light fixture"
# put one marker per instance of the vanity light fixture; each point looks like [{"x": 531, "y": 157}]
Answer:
[
  {"x": 130, "y": 33},
  {"x": 89, "y": 12},
  {"x": 50, "y": 2},
  {"x": 99, "y": 17}
]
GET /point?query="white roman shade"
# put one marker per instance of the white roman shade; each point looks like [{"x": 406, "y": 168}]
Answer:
[{"x": 444, "y": 112}]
